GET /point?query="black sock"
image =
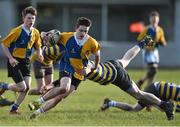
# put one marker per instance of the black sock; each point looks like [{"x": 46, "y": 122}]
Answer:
[
  {"x": 141, "y": 45},
  {"x": 162, "y": 105}
]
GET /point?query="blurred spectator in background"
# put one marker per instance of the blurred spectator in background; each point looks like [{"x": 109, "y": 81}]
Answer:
[{"x": 151, "y": 54}]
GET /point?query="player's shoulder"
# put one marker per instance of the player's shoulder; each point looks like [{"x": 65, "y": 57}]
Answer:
[
  {"x": 67, "y": 33},
  {"x": 147, "y": 27},
  {"x": 15, "y": 29},
  {"x": 160, "y": 29},
  {"x": 92, "y": 40},
  {"x": 35, "y": 30}
]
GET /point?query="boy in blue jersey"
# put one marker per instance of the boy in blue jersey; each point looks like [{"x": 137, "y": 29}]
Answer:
[
  {"x": 113, "y": 72},
  {"x": 151, "y": 54},
  {"x": 79, "y": 47},
  {"x": 17, "y": 47},
  {"x": 164, "y": 90}
]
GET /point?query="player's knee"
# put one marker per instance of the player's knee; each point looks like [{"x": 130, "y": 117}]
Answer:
[
  {"x": 138, "y": 95},
  {"x": 22, "y": 88},
  {"x": 59, "y": 98},
  {"x": 63, "y": 90},
  {"x": 152, "y": 72}
]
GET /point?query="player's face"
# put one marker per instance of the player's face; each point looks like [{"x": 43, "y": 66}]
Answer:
[
  {"x": 81, "y": 31},
  {"x": 154, "y": 20},
  {"x": 29, "y": 20}
]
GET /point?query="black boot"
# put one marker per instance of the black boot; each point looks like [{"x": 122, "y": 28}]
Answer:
[{"x": 5, "y": 102}]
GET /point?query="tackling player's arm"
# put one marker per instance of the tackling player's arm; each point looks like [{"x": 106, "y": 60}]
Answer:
[
  {"x": 96, "y": 60},
  {"x": 38, "y": 45},
  {"x": 96, "y": 52},
  {"x": 6, "y": 43}
]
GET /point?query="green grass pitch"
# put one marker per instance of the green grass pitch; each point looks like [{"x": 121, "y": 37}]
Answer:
[{"x": 81, "y": 107}]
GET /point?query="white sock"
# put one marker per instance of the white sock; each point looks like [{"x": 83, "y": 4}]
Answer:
[
  {"x": 40, "y": 110},
  {"x": 112, "y": 104},
  {"x": 41, "y": 100}
]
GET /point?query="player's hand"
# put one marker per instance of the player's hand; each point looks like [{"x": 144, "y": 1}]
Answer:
[
  {"x": 13, "y": 62},
  {"x": 83, "y": 72},
  {"x": 148, "y": 40},
  {"x": 93, "y": 68},
  {"x": 45, "y": 89},
  {"x": 40, "y": 57}
]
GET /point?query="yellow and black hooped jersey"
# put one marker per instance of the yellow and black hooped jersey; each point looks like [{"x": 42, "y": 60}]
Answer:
[
  {"x": 104, "y": 74},
  {"x": 156, "y": 34},
  {"x": 20, "y": 43},
  {"x": 50, "y": 54},
  {"x": 169, "y": 91},
  {"x": 77, "y": 53}
]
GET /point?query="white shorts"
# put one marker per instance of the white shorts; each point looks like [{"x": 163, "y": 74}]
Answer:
[{"x": 151, "y": 56}]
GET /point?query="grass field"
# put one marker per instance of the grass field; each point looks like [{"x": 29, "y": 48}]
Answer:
[{"x": 81, "y": 107}]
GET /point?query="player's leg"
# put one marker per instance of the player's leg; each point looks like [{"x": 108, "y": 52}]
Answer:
[
  {"x": 152, "y": 70},
  {"x": 64, "y": 86},
  {"x": 65, "y": 83},
  {"x": 36, "y": 91},
  {"x": 51, "y": 103},
  {"x": 24, "y": 70},
  {"x": 49, "y": 75},
  {"x": 16, "y": 75},
  {"x": 150, "y": 75},
  {"x": 123, "y": 106},
  {"x": 152, "y": 60},
  {"x": 39, "y": 73},
  {"x": 151, "y": 99},
  {"x": 5, "y": 102},
  {"x": 21, "y": 96}
]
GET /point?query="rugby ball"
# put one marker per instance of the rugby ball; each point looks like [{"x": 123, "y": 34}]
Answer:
[{"x": 54, "y": 36}]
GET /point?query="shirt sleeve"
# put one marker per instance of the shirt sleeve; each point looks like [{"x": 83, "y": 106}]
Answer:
[
  {"x": 10, "y": 38},
  {"x": 162, "y": 37},
  {"x": 38, "y": 43},
  {"x": 95, "y": 46},
  {"x": 142, "y": 34}
]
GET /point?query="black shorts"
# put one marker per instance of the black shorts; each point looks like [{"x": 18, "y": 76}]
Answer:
[
  {"x": 123, "y": 81},
  {"x": 41, "y": 70},
  {"x": 75, "y": 82},
  {"x": 19, "y": 71}
]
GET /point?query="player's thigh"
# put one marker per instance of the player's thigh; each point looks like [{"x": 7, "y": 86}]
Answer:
[
  {"x": 72, "y": 88},
  {"x": 65, "y": 80},
  {"x": 134, "y": 90},
  {"x": 40, "y": 82},
  {"x": 49, "y": 75},
  {"x": 48, "y": 79}
]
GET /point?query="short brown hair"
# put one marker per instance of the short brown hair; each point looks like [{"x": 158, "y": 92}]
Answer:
[
  {"x": 29, "y": 10},
  {"x": 154, "y": 13},
  {"x": 83, "y": 21}
]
